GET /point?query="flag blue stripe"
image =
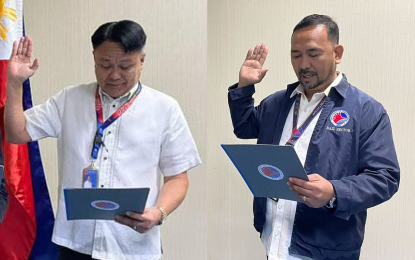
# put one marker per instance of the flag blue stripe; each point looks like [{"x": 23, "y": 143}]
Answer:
[{"x": 43, "y": 247}]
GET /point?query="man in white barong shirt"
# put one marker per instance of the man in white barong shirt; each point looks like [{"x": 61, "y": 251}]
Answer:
[{"x": 148, "y": 141}]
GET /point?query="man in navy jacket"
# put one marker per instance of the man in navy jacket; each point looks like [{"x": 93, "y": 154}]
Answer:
[{"x": 346, "y": 145}]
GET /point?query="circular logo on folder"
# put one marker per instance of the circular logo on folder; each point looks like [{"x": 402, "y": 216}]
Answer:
[
  {"x": 270, "y": 172},
  {"x": 104, "y": 205}
]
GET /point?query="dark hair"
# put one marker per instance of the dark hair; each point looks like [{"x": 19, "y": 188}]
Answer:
[
  {"x": 128, "y": 33},
  {"x": 318, "y": 19}
]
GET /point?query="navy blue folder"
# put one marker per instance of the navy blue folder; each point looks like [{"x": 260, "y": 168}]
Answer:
[
  {"x": 103, "y": 203},
  {"x": 266, "y": 168}
]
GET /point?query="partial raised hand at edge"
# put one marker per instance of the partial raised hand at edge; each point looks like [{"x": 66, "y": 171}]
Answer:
[{"x": 20, "y": 67}]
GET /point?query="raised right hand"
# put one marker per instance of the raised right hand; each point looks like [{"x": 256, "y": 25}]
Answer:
[
  {"x": 20, "y": 67},
  {"x": 251, "y": 71}
]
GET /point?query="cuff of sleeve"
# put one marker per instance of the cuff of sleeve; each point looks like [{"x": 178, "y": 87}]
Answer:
[
  {"x": 31, "y": 129},
  {"x": 237, "y": 93},
  {"x": 180, "y": 168},
  {"x": 344, "y": 199}
]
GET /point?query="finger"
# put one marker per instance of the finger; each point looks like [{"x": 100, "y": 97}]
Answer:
[
  {"x": 260, "y": 51},
  {"x": 125, "y": 220},
  {"x": 135, "y": 215},
  {"x": 256, "y": 50},
  {"x": 20, "y": 46},
  {"x": 248, "y": 55},
  {"x": 132, "y": 223},
  {"x": 263, "y": 56},
  {"x": 25, "y": 46},
  {"x": 258, "y": 55},
  {"x": 314, "y": 181},
  {"x": 298, "y": 182},
  {"x": 29, "y": 47},
  {"x": 302, "y": 191},
  {"x": 140, "y": 228},
  {"x": 305, "y": 199},
  {"x": 14, "y": 50}
]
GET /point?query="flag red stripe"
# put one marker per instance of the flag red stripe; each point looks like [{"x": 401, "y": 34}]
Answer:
[
  {"x": 17, "y": 232},
  {"x": 16, "y": 236}
]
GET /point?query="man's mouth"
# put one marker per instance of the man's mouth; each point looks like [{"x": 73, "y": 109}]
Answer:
[
  {"x": 112, "y": 85},
  {"x": 307, "y": 76}
]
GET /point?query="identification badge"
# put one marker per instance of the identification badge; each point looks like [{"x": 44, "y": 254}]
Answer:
[{"x": 90, "y": 177}]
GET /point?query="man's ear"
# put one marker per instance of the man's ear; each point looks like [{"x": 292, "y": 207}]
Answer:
[
  {"x": 338, "y": 53},
  {"x": 143, "y": 57}
]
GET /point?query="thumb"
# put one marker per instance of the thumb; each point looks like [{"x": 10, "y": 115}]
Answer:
[
  {"x": 263, "y": 73},
  {"x": 35, "y": 65}
]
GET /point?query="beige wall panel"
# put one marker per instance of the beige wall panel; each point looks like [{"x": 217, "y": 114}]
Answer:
[
  {"x": 378, "y": 59},
  {"x": 175, "y": 64}
]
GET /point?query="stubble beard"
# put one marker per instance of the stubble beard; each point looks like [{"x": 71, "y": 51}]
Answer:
[{"x": 319, "y": 82}]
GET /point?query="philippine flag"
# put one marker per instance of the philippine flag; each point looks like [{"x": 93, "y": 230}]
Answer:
[{"x": 26, "y": 230}]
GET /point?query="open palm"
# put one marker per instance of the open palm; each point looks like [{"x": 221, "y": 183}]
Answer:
[
  {"x": 251, "y": 71},
  {"x": 20, "y": 67}
]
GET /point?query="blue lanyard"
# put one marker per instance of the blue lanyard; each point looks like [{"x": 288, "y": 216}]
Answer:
[
  {"x": 297, "y": 132},
  {"x": 101, "y": 125}
]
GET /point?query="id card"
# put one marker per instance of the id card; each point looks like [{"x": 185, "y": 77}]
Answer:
[{"x": 90, "y": 177}]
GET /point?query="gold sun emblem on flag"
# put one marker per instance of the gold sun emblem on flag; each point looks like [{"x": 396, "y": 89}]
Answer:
[{"x": 7, "y": 12}]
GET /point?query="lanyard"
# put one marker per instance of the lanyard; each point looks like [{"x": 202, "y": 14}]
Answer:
[
  {"x": 101, "y": 125},
  {"x": 297, "y": 132}
]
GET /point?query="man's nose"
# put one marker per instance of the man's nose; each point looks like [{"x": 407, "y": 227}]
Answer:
[
  {"x": 114, "y": 74},
  {"x": 305, "y": 62}
]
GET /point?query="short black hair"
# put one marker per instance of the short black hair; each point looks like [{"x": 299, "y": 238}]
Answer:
[
  {"x": 128, "y": 33},
  {"x": 318, "y": 19}
]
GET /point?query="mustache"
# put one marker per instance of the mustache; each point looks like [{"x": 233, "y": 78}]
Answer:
[{"x": 306, "y": 71}]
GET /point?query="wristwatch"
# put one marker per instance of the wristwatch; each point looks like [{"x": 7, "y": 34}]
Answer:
[
  {"x": 332, "y": 203},
  {"x": 163, "y": 215}
]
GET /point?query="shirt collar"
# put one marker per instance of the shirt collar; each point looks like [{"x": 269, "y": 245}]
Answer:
[
  {"x": 300, "y": 89},
  {"x": 126, "y": 96}
]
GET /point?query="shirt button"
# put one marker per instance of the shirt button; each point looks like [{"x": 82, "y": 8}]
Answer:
[
  {"x": 102, "y": 186},
  {"x": 109, "y": 132},
  {"x": 276, "y": 233},
  {"x": 280, "y": 206},
  {"x": 105, "y": 158},
  {"x": 113, "y": 106}
]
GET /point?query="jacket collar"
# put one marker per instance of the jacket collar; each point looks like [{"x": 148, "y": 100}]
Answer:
[{"x": 341, "y": 88}]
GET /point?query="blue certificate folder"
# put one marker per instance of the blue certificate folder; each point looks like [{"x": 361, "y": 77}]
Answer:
[
  {"x": 266, "y": 168},
  {"x": 103, "y": 203}
]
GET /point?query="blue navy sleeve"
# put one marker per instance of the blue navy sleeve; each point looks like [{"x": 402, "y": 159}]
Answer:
[
  {"x": 378, "y": 168},
  {"x": 245, "y": 117}
]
